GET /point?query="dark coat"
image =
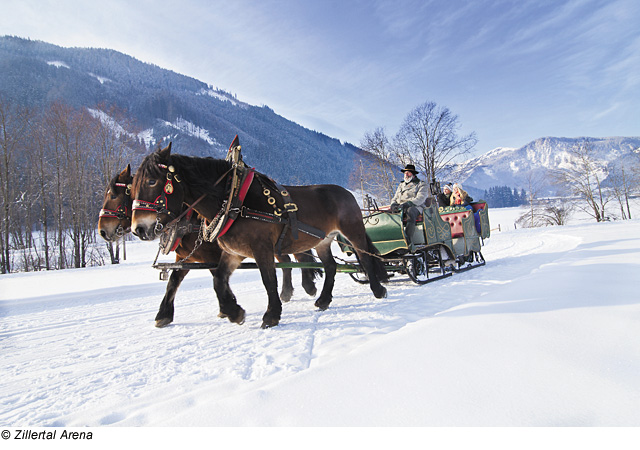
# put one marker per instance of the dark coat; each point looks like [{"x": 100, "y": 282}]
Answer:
[{"x": 444, "y": 199}]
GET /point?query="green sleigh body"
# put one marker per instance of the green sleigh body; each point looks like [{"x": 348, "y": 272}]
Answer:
[{"x": 445, "y": 240}]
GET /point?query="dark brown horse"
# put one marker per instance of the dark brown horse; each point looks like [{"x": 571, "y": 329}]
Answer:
[
  {"x": 165, "y": 181},
  {"x": 115, "y": 222}
]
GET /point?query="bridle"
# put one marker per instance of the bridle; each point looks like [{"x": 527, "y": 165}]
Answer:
[
  {"x": 159, "y": 205},
  {"x": 121, "y": 212}
]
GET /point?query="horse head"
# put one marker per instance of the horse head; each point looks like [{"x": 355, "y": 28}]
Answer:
[
  {"x": 158, "y": 194},
  {"x": 115, "y": 215}
]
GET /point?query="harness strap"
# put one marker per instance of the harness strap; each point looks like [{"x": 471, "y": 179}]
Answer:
[
  {"x": 158, "y": 206},
  {"x": 236, "y": 203},
  {"x": 272, "y": 218},
  {"x": 187, "y": 211},
  {"x": 230, "y": 208},
  {"x": 120, "y": 213},
  {"x": 290, "y": 208},
  {"x": 181, "y": 231}
]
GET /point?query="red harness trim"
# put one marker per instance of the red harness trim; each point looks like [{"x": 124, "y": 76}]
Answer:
[{"x": 241, "y": 195}]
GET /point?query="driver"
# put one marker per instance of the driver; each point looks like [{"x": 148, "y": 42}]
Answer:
[{"x": 411, "y": 193}]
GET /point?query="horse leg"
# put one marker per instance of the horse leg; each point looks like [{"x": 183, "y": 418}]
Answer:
[
  {"x": 287, "y": 284},
  {"x": 264, "y": 260},
  {"x": 229, "y": 308},
  {"x": 308, "y": 275},
  {"x": 263, "y": 255},
  {"x": 165, "y": 314},
  {"x": 330, "y": 267}
]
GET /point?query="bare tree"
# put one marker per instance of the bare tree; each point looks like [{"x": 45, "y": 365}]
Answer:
[
  {"x": 546, "y": 213},
  {"x": 39, "y": 166},
  {"x": 14, "y": 121},
  {"x": 377, "y": 173},
  {"x": 429, "y": 139},
  {"x": 621, "y": 183},
  {"x": 584, "y": 179},
  {"x": 74, "y": 180},
  {"x": 114, "y": 140},
  {"x": 533, "y": 184}
]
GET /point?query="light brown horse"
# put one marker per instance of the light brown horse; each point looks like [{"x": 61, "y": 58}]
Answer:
[
  {"x": 165, "y": 181},
  {"x": 115, "y": 222}
]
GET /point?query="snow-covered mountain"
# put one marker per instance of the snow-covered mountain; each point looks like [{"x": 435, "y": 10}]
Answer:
[{"x": 512, "y": 166}]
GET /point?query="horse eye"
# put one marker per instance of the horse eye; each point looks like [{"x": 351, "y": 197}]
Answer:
[
  {"x": 152, "y": 182},
  {"x": 113, "y": 196}
]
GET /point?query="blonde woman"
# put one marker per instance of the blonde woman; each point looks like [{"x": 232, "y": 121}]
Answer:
[{"x": 459, "y": 197}]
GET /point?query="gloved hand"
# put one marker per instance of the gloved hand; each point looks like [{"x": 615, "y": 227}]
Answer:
[
  {"x": 394, "y": 207},
  {"x": 407, "y": 205}
]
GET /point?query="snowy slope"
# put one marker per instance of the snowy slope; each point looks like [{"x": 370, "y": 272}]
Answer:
[{"x": 545, "y": 335}]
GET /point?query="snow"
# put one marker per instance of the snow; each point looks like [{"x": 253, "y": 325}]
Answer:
[
  {"x": 545, "y": 335},
  {"x": 102, "y": 80},
  {"x": 192, "y": 129},
  {"x": 222, "y": 96},
  {"x": 108, "y": 121},
  {"x": 58, "y": 64},
  {"x": 147, "y": 137}
]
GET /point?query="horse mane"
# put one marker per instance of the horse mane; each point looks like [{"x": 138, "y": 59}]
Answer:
[{"x": 200, "y": 174}]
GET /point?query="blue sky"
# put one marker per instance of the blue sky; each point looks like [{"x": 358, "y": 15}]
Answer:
[{"x": 512, "y": 71}]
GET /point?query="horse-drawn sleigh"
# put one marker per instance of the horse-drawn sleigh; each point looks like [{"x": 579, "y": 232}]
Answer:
[{"x": 245, "y": 214}]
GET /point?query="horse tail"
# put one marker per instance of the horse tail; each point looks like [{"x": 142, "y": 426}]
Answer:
[{"x": 378, "y": 263}]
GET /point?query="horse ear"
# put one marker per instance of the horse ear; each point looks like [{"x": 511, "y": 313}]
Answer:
[
  {"x": 125, "y": 174},
  {"x": 165, "y": 152}
]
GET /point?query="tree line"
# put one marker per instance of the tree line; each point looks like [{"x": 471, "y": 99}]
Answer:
[
  {"x": 505, "y": 197},
  {"x": 55, "y": 163}
]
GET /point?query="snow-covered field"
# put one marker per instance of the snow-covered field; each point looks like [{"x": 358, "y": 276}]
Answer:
[{"x": 546, "y": 334}]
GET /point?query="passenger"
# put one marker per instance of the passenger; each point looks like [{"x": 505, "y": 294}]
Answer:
[
  {"x": 459, "y": 197},
  {"x": 444, "y": 198},
  {"x": 411, "y": 193}
]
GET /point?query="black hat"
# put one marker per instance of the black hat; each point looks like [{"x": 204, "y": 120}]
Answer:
[{"x": 410, "y": 168}]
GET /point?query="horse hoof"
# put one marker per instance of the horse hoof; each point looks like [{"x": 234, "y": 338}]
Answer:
[
  {"x": 222, "y": 315},
  {"x": 269, "y": 323},
  {"x": 239, "y": 319},
  {"x": 285, "y": 297},
  {"x": 311, "y": 291},
  {"x": 322, "y": 306},
  {"x": 382, "y": 293},
  {"x": 163, "y": 323},
  {"x": 270, "y": 319}
]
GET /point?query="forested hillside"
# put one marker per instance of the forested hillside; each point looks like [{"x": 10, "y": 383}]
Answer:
[{"x": 165, "y": 106}]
